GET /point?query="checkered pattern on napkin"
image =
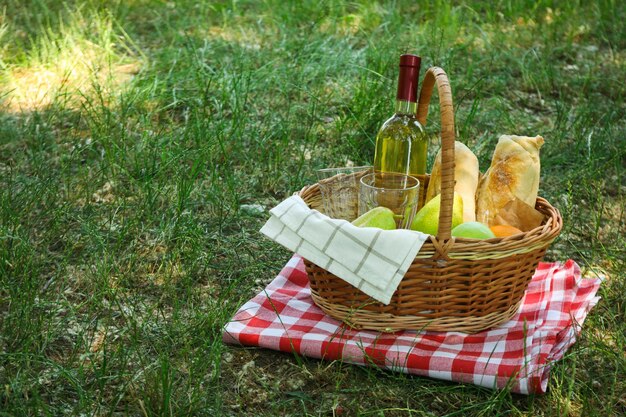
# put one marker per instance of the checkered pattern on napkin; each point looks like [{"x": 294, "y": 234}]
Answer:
[
  {"x": 517, "y": 354},
  {"x": 371, "y": 259}
]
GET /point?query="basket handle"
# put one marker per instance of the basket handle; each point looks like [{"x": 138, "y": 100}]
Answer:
[{"x": 438, "y": 75}]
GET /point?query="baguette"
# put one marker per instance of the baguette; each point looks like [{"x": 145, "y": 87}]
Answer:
[
  {"x": 513, "y": 174},
  {"x": 466, "y": 179}
]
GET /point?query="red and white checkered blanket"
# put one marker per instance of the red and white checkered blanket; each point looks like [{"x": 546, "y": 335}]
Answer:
[{"x": 516, "y": 355}]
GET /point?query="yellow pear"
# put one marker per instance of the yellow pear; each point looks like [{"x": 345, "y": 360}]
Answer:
[
  {"x": 427, "y": 219},
  {"x": 380, "y": 217}
]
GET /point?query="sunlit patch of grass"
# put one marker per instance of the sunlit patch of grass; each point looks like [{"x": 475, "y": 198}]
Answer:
[
  {"x": 85, "y": 55},
  {"x": 243, "y": 36},
  {"x": 354, "y": 18}
]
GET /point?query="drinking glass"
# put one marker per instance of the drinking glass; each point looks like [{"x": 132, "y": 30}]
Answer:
[
  {"x": 339, "y": 188},
  {"x": 397, "y": 192}
]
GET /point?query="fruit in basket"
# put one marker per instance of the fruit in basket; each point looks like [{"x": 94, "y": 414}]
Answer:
[
  {"x": 473, "y": 230},
  {"x": 427, "y": 219},
  {"x": 380, "y": 217},
  {"x": 504, "y": 230}
]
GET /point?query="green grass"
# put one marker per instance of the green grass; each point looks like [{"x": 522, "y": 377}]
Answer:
[{"x": 132, "y": 132}]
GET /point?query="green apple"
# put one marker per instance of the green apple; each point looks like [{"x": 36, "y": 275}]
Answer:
[
  {"x": 473, "y": 230},
  {"x": 380, "y": 217},
  {"x": 427, "y": 219}
]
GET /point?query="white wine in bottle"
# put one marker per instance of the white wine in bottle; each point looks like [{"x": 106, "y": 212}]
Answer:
[{"x": 401, "y": 143}]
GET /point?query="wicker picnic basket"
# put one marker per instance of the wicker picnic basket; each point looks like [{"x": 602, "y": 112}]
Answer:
[{"x": 453, "y": 284}]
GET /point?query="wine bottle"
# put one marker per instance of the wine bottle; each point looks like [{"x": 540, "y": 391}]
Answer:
[{"x": 401, "y": 143}]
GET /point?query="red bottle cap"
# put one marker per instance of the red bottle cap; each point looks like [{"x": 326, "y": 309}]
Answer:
[
  {"x": 408, "y": 78},
  {"x": 408, "y": 60}
]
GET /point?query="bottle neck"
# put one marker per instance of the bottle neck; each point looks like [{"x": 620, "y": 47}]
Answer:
[
  {"x": 406, "y": 107},
  {"x": 408, "y": 82}
]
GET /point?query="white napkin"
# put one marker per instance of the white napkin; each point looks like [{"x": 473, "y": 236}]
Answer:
[{"x": 371, "y": 259}]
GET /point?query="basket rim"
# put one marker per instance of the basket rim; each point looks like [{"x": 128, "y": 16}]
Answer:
[{"x": 497, "y": 247}]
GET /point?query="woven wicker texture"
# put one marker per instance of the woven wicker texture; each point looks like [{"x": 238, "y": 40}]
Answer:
[{"x": 453, "y": 284}]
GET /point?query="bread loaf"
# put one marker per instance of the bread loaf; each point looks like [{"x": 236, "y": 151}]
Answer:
[
  {"x": 513, "y": 174},
  {"x": 465, "y": 175}
]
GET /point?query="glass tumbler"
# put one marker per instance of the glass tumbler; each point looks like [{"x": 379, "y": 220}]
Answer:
[{"x": 397, "y": 192}]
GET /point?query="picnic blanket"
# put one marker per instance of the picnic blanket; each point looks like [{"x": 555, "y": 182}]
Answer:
[{"x": 516, "y": 355}]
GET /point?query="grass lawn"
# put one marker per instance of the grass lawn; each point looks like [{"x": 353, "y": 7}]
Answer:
[{"x": 135, "y": 135}]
